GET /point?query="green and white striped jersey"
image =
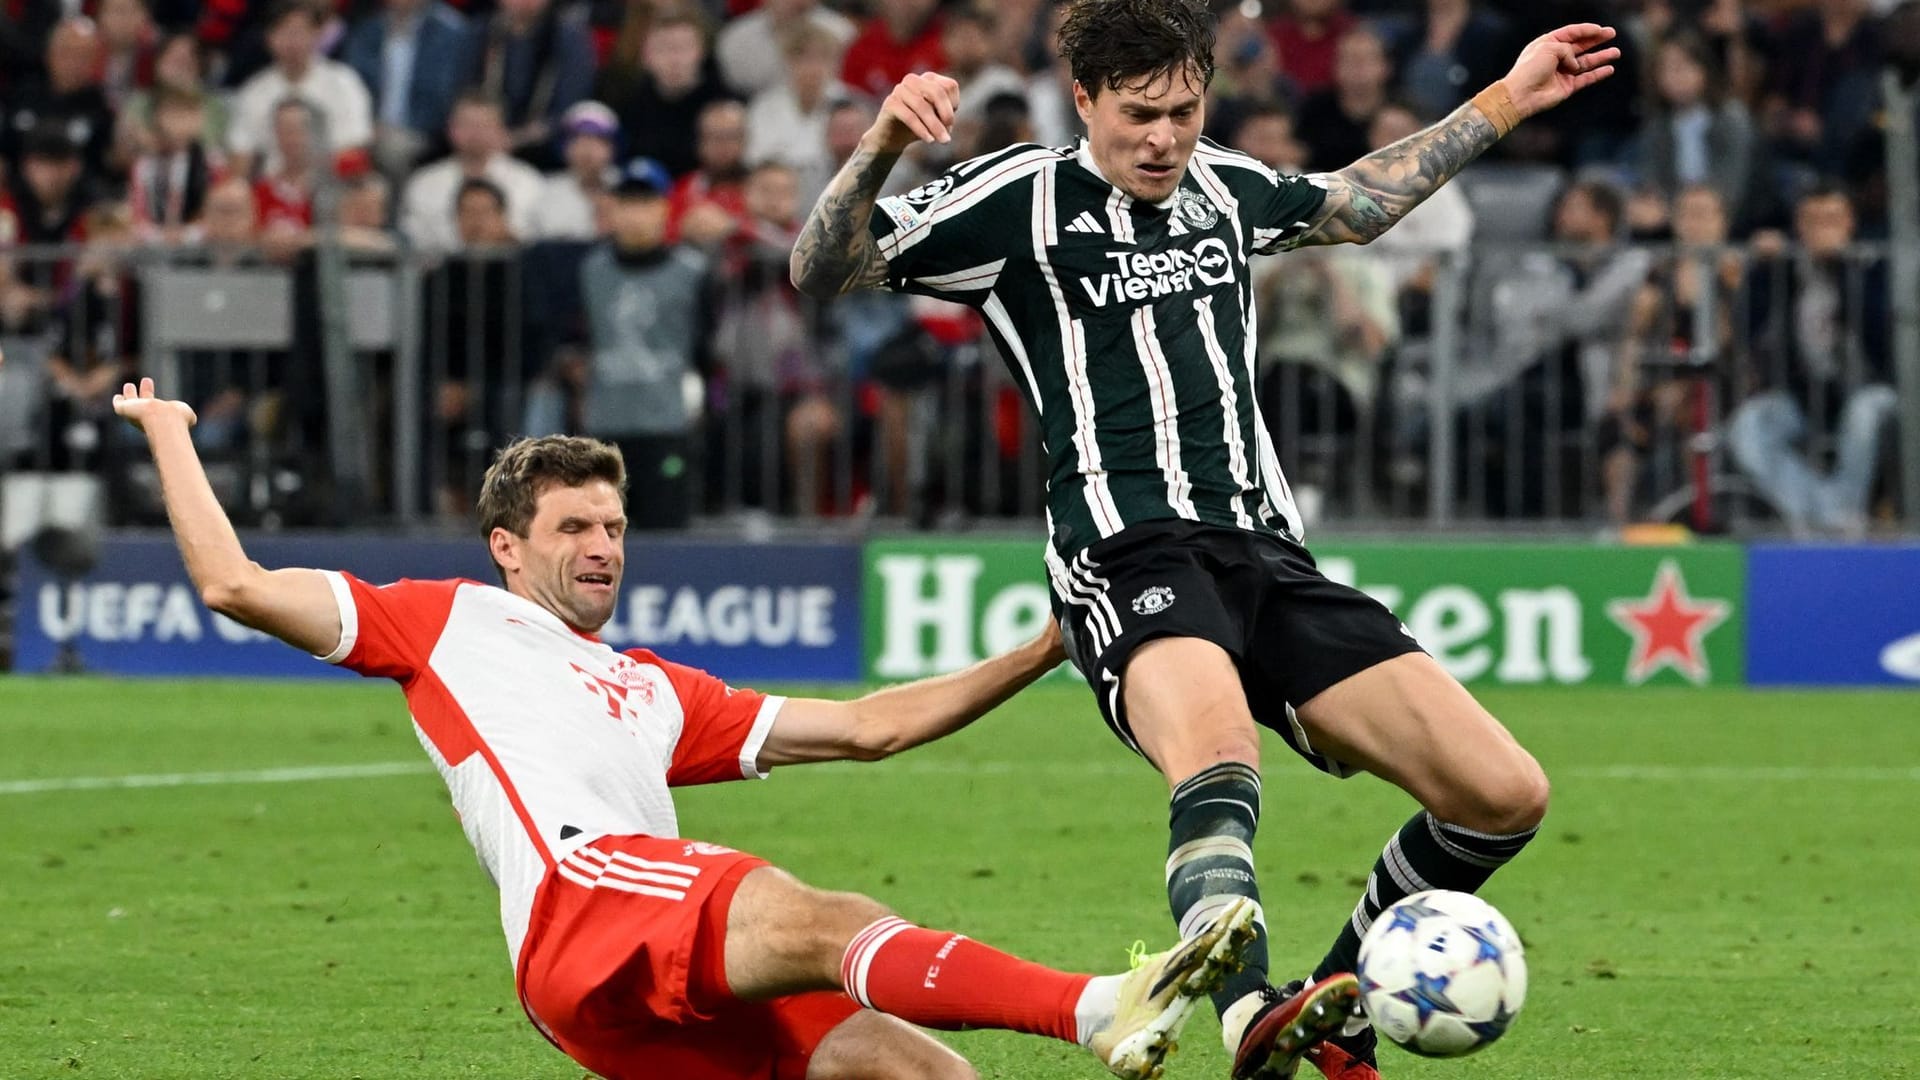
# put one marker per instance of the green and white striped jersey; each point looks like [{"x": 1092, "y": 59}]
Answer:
[{"x": 1129, "y": 326}]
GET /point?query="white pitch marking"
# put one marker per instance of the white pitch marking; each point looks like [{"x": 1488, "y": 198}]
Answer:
[
  {"x": 375, "y": 769},
  {"x": 1685, "y": 773},
  {"x": 1743, "y": 773},
  {"x": 291, "y": 775}
]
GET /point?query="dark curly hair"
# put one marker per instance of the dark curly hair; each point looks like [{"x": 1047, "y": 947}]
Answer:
[{"x": 1122, "y": 44}]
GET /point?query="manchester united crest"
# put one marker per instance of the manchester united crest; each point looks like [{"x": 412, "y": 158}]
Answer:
[
  {"x": 1194, "y": 208},
  {"x": 1153, "y": 601}
]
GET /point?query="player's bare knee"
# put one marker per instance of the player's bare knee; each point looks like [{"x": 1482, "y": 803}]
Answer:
[
  {"x": 946, "y": 1069},
  {"x": 798, "y": 931},
  {"x": 1510, "y": 801},
  {"x": 1242, "y": 746},
  {"x": 874, "y": 1046},
  {"x": 1204, "y": 749},
  {"x": 855, "y": 911},
  {"x": 1186, "y": 708},
  {"x": 836, "y": 919},
  {"x": 895, "y": 1070},
  {"x": 1531, "y": 806},
  {"x": 1525, "y": 795},
  {"x": 916, "y": 1066}
]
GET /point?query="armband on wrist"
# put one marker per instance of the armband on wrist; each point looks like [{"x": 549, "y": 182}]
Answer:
[{"x": 1495, "y": 104}]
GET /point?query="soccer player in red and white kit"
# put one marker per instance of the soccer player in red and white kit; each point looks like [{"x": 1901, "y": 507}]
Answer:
[{"x": 638, "y": 952}]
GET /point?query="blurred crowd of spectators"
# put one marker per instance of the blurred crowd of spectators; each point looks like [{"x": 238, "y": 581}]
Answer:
[{"x": 607, "y": 192}]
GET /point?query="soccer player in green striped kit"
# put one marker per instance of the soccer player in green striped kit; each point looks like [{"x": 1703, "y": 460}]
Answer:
[{"x": 1113, "y": 275}]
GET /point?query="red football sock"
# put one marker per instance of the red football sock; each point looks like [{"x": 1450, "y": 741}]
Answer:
[{"x": 939, "y": 979}]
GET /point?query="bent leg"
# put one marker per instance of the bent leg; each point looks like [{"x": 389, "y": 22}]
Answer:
[
  {"x": 789, "y": 936},
  {"x": 1186, "y": 709},
  {"x": 812, "y": 426},
  {"x": 1866, "y": 415},
  {"x": 1761, "y": 437},
  {"x": 662, "y": 957},
  {"x": 1408, "y": 721},
  {"x": 875, "y": 1046},
  {"x": 784, "y": 937},
  {"x": 1189, "y": 715}
]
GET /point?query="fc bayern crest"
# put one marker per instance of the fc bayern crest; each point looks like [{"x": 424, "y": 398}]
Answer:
[
  {"x": 1153, "y": 601},
  {"x": 1195, "y": 208}
]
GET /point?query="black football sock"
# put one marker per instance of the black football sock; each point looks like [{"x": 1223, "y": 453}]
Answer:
[
  {"x": 1212, "y": 818},
  {"x": 1426, "y": 853}
]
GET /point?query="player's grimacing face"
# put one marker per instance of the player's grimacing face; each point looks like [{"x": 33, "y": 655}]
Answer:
[
  {"x": 1142, "y": 135},
  {"x": 572, "y": 558}
]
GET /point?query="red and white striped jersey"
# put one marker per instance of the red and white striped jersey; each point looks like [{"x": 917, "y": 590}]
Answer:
[{"x": 547, "y": 738}]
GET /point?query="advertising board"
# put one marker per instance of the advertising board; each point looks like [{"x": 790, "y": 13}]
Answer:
[
  {"x": 1833, "y": 616},
  {"x": 759, "y": 612},
  {"x": 1512, "y": 614}
]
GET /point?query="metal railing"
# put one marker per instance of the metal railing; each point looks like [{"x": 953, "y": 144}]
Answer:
[
  {"x": 1722, "y": 389},
  {"x": 1555, "y": 389}
]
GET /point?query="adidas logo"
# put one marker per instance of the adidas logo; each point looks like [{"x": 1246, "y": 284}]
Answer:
[{"x": 1085, "y": 223}]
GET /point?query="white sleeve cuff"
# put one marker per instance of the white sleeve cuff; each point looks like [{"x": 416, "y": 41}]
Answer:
[
  {"x": 349, "y": 618},
  {"x": 757, "y": 738}
]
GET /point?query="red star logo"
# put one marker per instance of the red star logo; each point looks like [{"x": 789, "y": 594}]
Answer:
[{"x": 1668, "y": 627}]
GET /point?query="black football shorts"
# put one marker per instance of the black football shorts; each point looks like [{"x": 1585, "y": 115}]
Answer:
[{"x": 1292, "y": 632}]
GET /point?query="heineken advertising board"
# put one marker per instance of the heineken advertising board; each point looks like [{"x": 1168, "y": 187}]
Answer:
[{"x": 1513, "y": 614}]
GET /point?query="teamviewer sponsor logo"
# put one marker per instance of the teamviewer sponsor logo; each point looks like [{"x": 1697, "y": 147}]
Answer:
[{"x": 1140, "y": 275}]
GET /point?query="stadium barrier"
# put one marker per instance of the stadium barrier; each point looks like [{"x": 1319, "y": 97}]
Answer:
[
  {"x": 1555, "y": 387},
  {"x": 1504, "y": 614}
]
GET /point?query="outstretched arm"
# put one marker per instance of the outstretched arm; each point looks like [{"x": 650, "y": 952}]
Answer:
[
  {"x": 888, "y": 721},
  {"x": 835, "y": 253},
  {"x": 1366, "y": 198},
  {"x": 296, "y": 606}
]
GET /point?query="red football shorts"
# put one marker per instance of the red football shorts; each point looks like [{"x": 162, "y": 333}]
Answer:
[{"x": 624, "y": 968}]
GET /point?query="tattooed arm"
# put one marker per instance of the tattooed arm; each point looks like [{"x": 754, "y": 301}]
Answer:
[
  {"x": 835, "y": 253},
  {"x": 1366, "y": 198}
]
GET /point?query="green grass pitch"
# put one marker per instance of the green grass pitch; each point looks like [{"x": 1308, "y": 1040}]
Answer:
[{"x": 1727, "y": 884}]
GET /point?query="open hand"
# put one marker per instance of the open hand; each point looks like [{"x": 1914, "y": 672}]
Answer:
[
  {"x": 1556, "y": 64},
  {"x": 142, "y": 407},
  {"x": 920, "y": 109}
]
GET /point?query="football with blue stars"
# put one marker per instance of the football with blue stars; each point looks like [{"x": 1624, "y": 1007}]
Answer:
[{"x": 1442, "y": 973}]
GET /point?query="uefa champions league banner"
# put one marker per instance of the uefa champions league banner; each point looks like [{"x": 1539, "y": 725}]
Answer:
[
  {"x": 746, "y": 612},
  {"x": 1833, "y": 616},
  {"x": 1491, "y": 613},
  {"x": 1514, "y": 614}
]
